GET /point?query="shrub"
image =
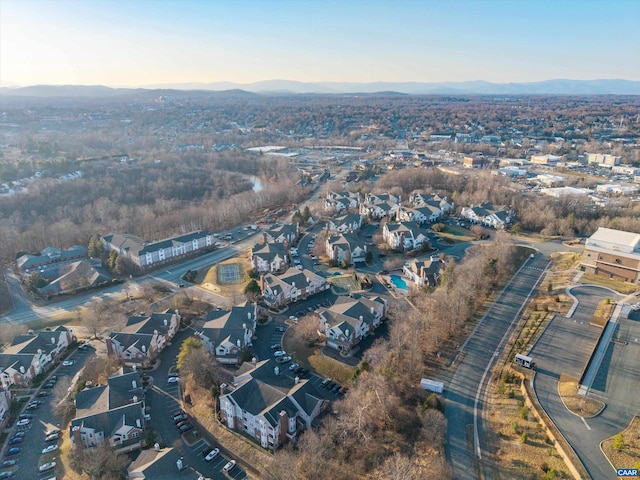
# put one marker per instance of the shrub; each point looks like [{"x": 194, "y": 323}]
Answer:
[
  {"x": 524, "y": 412},
  {"x": 524, "y": 437},
  {"x": 515, "y": 427},
  {"x": 618, "y": 442}
]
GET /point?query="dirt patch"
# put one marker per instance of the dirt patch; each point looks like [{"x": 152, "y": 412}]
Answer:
[
  {"x": 618, "y": 286},
  {"x": 575, "y": 403},
  {"x": 565, "y": 261},
  {"x": 519, "y": 445},
  {"x": 623, "y": 450},
  {"x": 603, "y": 313}
]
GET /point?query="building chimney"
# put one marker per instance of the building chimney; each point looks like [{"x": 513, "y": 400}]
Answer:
[
  {"x": 76, "y": 436},
  {"x": 134, "y": 384},
  {"x": 264, "y": 237}
]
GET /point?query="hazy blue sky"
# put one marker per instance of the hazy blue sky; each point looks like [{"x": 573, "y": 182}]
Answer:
[{"x": 147, "y": 42}]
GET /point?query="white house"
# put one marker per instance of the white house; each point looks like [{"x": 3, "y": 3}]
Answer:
[
  {"x": 114, "y": 412},
  {"x": 351, "y": 319},
  {"x": 347, "y": 247},
  {"x": 349, "y": 223},
  {"x": 291, "y": 286},
  {"x": 287, "y": 233},
  {"x": 270, "y": 407},
  {"x": 269, "y": 257},
  {"x": 404, "y": 235},
  {"x": 419, "y": 199},
  {"x": 420, "y": 215},
  {"x": 143, "y": 337},
  {"x": 31, "y": 354},
  {"x": 424, "y": 272},
  {"x": 487, "y": 215},
  {"x": 147, "y": 255},
  {"x": 226, "y": 333},
  {"x": 338, "y": 201}
]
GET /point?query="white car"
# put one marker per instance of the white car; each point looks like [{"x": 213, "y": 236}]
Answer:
[
  {"x": 293, "y": 366},
  {"x": 212, "y": 454},
  {"x": 279, "y": 353},
  {"x": 23, "y": 422},
  {"x": 293, "y": 318},
  {"x": 285, "y": 359},
  {"x": 67, "y": 363},
  {"x": 229, "y": 466},
  {"x": 172, "y": 380},
  {"x": 47, "y": 466},
  {"x": 50, "y": 448}
]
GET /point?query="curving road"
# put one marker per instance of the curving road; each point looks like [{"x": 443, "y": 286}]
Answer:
[
  {"x": 616, "y": 382},
  {"x": 484, "y": 345}
]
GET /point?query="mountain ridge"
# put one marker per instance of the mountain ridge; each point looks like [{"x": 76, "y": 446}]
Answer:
[{"x": 280, "y": 87}]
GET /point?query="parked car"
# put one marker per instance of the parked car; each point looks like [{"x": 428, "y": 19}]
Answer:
[
  {"x": 186, "y": 428},
  {"x": 25, "y": 415},
  {"x": 49, "y": 448},
  {"x": 15, "y": 440},
  {"x": 285, "y": 359},
  {"x": 330, "y": 385},
  {"x": 33, "y": 406},
  {"x": 7, "y": 474},
  {"x": 325, "y": 382},
  {"x": 212, "y": 454},
  {"x": 43, "y": 393},
  {"x": 182, "y": 423},
  {"x": 172, "y": 380},
  {"x": 67, "y": 363},
  {"x": 180, "y": 417},
  {"x": 293, "y": 366},
  {"x": 52, "y": 431},
  {"x": 229, "y": 466},
  {"x": 336, "y": 388},
  {"x": 47, "y": 466},
  {"x": 8, "y": 463},
  {"x": 293, "y": 318},
  {"x": 297, "y": 369},
  {"x": 304, "y": 372},
  {"x": 51, "y": 438},
  {"x": 23, "y": 422},
  {"x": 279, "y": 353},
  {"x": 19, "y": 434},
  {"x": 281, "y": 329},
  {"x": 12, "y": 451},
  {"x": 275, "y": 346}
]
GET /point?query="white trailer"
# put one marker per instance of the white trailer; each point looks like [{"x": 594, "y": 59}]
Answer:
[
  {"x": 523, "y": 360},
  {"x": 432, "y": 385}
]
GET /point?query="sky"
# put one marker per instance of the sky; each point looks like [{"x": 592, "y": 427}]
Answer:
[{"x": 130, "y": 43}]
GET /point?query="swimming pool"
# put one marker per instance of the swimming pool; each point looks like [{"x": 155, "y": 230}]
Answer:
[{"x": 399, "y": 282}]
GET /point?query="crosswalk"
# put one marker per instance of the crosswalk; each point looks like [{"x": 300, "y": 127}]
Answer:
[{"x": 535, "y": 268}]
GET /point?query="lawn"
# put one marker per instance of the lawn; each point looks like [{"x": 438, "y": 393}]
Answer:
[
  {"x": 617, "y": 285},
  {"x": 209, "y": 277},
  {"x": 455, "y": 234}
]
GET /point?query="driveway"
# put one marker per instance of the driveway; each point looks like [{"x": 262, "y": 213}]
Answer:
[{"x": 616, "y": 382}]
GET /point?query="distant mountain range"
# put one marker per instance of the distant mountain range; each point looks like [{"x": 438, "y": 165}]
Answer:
[{"x": 284, "y": 87}]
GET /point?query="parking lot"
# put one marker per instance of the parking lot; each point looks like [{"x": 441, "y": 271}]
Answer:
[
  {"x": 164, "y": 400},
  {"x": 40, "y": 419}
]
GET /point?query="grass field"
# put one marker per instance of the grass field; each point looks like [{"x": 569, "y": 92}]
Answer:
[
  {"x": 617, "y": 285},
  {"x": 209, "y": 278},
  {"x": 455, "y": 234}
]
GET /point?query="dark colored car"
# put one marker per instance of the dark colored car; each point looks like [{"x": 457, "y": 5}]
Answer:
[
  {"x": 336, "y": 388},
  {"x": 12, "y": 451},
  {"x": 15, "y": 440},
  {"x": 8, "y": 463},
  {"x": 43, "y": 393},
  {"x": 186, "y": 428},
  {"x": 304, "y": 372},
  {"x": 182, "y": 423},
  {"x": 330, "y": 385}
]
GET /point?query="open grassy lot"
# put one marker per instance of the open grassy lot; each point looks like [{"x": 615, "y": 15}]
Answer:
[
  {"x": 565, "y": 261},
  {"x": 618, "y": 286},
  {"x": 455, "y": 234},
  {"x": 345, "y": 283},
  {"x": 623, "y": 450},
  {"x": 577, "y": 404}
]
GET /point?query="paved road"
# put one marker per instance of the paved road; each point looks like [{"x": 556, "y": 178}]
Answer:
[
  {"x": 616, "y": 382},
  {"x": 477, "y": 354}
]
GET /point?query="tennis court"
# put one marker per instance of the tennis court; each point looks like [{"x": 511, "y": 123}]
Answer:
[
  {"x": 344, "y": 283},
  {"x": 230, "y": 273}
]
